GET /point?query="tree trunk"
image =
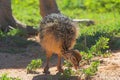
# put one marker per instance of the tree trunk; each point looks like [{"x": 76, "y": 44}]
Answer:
[
  {"x": 7, "y": 20},
  {"x": 48, "y": 7}
]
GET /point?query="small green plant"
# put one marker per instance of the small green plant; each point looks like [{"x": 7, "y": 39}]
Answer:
[
  {"x": 5, "y": 77},
  {"x": 34, "y": 65},
  {"x": 91, "y": 70},
  {"x": 106, "y": 55},
  {"x": 100, "y": 46},
  {"x": 1, "y": 33},
  {"x": 67, "y": 64},
  {"x": 18, "y": 32},
  {"x": 96, "y": 50},
  {"x": 68, "y": 72},
  {"x": 87, "y": 57}
]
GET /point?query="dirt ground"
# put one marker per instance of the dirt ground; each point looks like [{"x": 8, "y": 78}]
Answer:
[
  {"x": 110, "y": 68},
  {"x": 14, "y": 64}
]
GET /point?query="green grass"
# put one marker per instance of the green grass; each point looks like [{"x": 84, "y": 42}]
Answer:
[
  {"x": 6, "y": 77},
  {"x": 34, "y": 64},
  {"x": 28, "y": 13}
]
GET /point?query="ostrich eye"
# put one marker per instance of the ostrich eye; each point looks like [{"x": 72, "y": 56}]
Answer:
[{"x": 73, "y": 59}]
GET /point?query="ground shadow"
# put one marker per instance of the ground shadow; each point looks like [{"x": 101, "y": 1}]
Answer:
[
  {"x": 15, "y": 44},
  {"x": 54, "y": 77},
  {"x": 17, "y": 52}
]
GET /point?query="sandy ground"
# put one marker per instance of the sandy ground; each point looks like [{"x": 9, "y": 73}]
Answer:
[
  {"x": 110, "y": 68},
  {"x": 15, "y": 66}
]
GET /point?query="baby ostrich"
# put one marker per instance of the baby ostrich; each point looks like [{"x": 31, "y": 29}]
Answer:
[{"x": 58, "y": 35}]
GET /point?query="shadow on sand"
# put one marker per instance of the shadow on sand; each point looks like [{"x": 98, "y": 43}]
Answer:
[{"x": 54, "y": 77}]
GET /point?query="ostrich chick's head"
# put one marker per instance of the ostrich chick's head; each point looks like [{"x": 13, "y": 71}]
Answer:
[{"x": 73, "y": 56}]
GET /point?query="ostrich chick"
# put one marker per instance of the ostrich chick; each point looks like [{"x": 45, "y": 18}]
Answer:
[{"x": 58, "y": 35}]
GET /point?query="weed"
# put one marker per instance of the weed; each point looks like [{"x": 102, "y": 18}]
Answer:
[
  {"x": 17, "y": 32},
  {"x": 67, "y": 63},
  {"x": 100, "y": 46},
  {"x": 5, "y": 77},
  {"x": 68, "y": 72},
  {"x": 91, "y": 70},
  {"x": 87, "y": 57},
  {"x": 34, "y": 65}
]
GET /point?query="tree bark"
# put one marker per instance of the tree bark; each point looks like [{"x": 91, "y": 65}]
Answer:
[
  {"x": 7, "y": 20},
  {"x": 48, "y": 7}
]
